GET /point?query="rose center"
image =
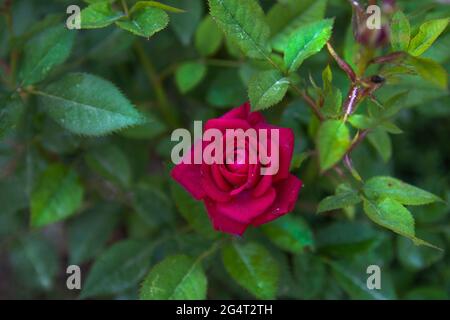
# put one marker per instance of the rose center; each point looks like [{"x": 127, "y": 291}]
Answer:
[{"x": 238, "y": 161}]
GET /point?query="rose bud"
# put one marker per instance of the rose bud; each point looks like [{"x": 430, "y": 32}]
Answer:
[
  {"x": 245, "y": 191},
  {"x": 368, "y": 28}
]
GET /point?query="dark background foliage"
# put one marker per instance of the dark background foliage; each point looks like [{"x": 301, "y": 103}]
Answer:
[{"x": 120, "y": 205}]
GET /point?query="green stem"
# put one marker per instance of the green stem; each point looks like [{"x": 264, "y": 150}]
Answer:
[
  {"x": 125, "y": 7},
  {"x": 14, "y": 55},
  {"x": 214, "y": 247},
  {"x": 222, "y": 63},
  {"x": 169, "y": 113}
]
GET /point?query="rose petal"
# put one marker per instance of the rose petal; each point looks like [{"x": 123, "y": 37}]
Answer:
[
  {"x": 244, "y": 208},
  {"x": 287, "y": 193},
  {"x": 286, "y": 149},
  {"x": 263, "y": 185},
  {"x": 223, "y": 223},
  {"x": 240, "y": 112},
  {"x": 224, "y": 124},
  {"x": 210, "y": 187},
  {"x": 234, "y": 178},
  {"x": 219, "y": 179},
  {"x": 189, "y": 176}
]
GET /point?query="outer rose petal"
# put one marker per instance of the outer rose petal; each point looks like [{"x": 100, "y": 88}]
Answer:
[
  {"x": 223, "y": 223},
  {"x": 244, "y": 207},
  {"x": 240, "y": 112},
  {"x": 189, "y": 176},
  {"x": 287, "y": 193},
  {"x": 243, "y": 112},
  {"x": 286, "y": 149},
  {"x": 224, "y": 124}
]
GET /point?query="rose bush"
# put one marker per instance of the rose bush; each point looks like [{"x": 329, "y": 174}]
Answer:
[
  {"x": 237, "y": 195},
  {"x": 87, "y": 120}
]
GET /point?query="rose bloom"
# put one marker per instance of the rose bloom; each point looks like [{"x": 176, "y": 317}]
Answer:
[{"x": 237, "y": 195}]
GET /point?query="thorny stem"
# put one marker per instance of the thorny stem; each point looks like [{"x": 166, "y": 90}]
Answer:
[
  {"x": 362, "y": 135},
  {"x": 392, "y": 57},
  {"x": 310, "y": 101},
  {"x": 342, "y": 63}
]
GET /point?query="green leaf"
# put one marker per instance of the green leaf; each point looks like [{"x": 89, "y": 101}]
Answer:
[
  {"x": 226, "y": 90},
  {"x": 290, "y": 233},
  {"x": 363, "y": 122},
  {"x": 390, "y": 127},
  {"x": 310, "y": 275},
  {"x": 327, "y": 78},
  {"x": 88, "y": 105},
  {"x": 58, "y": 194},
  {"x": 143, "y": 4},
  {"x": 98, "y": 15},
  {"x": 244, "y": 22},
  {"x": 351, "y": 47},
  {"x": 88, "y": 233},
  {"x": 428, "y": 33},
  {"x": 333, "y": 103},
  {"x": 346, "y": 239},
  {"x": 12, "y": 195},
  {"x": 333, "y": 142},
  {"x": 11, "y": 112},
  {"x": 252, "y": 266},
  {"x": 381, "y": 141},
  {"x": 184, "y": 25},
  {"x": 339, "y": 201},
  {"x": 35, "y": 262},
  {"x": 177, "y": 277},
  {"x": 44, "y": 52},
  {"x": 298, "y": 159},
  {"x": 189, "y": 75},
  {"x": 98, "y": 1},
  {"x": 430, "y": 70},
  {"x": 152, "y": 205},
  {"x": 306, "y": 42},
  {"x": 286, "y": 18},
  {"x": 117, "y": 269},
  {"x": 353, "y": 279},
  {"x": 208, "y": 37},
  {"x": 193, "y": 211},
  {"x": 145, "y": 22},
  {"x": 153, "y": 128},
  {"x": 392, "y": 215},
  {"x": 394, "y": 104},
  {"x": 110, "y": 162},
  {"x": 400, "y": 32},
  {"x": 360, "y": 121},
  {"x": 380, "y": 187},
  {"x": 427, "y": 293},
  {"x": 266, "y": 89},
  {"x": 418, "y": 258}
]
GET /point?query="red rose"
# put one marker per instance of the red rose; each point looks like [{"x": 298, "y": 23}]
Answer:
[{"x": 238, "y": 194}]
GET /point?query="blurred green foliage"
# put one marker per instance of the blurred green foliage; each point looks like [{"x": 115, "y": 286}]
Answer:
[{"x": 85, "y": 123}]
